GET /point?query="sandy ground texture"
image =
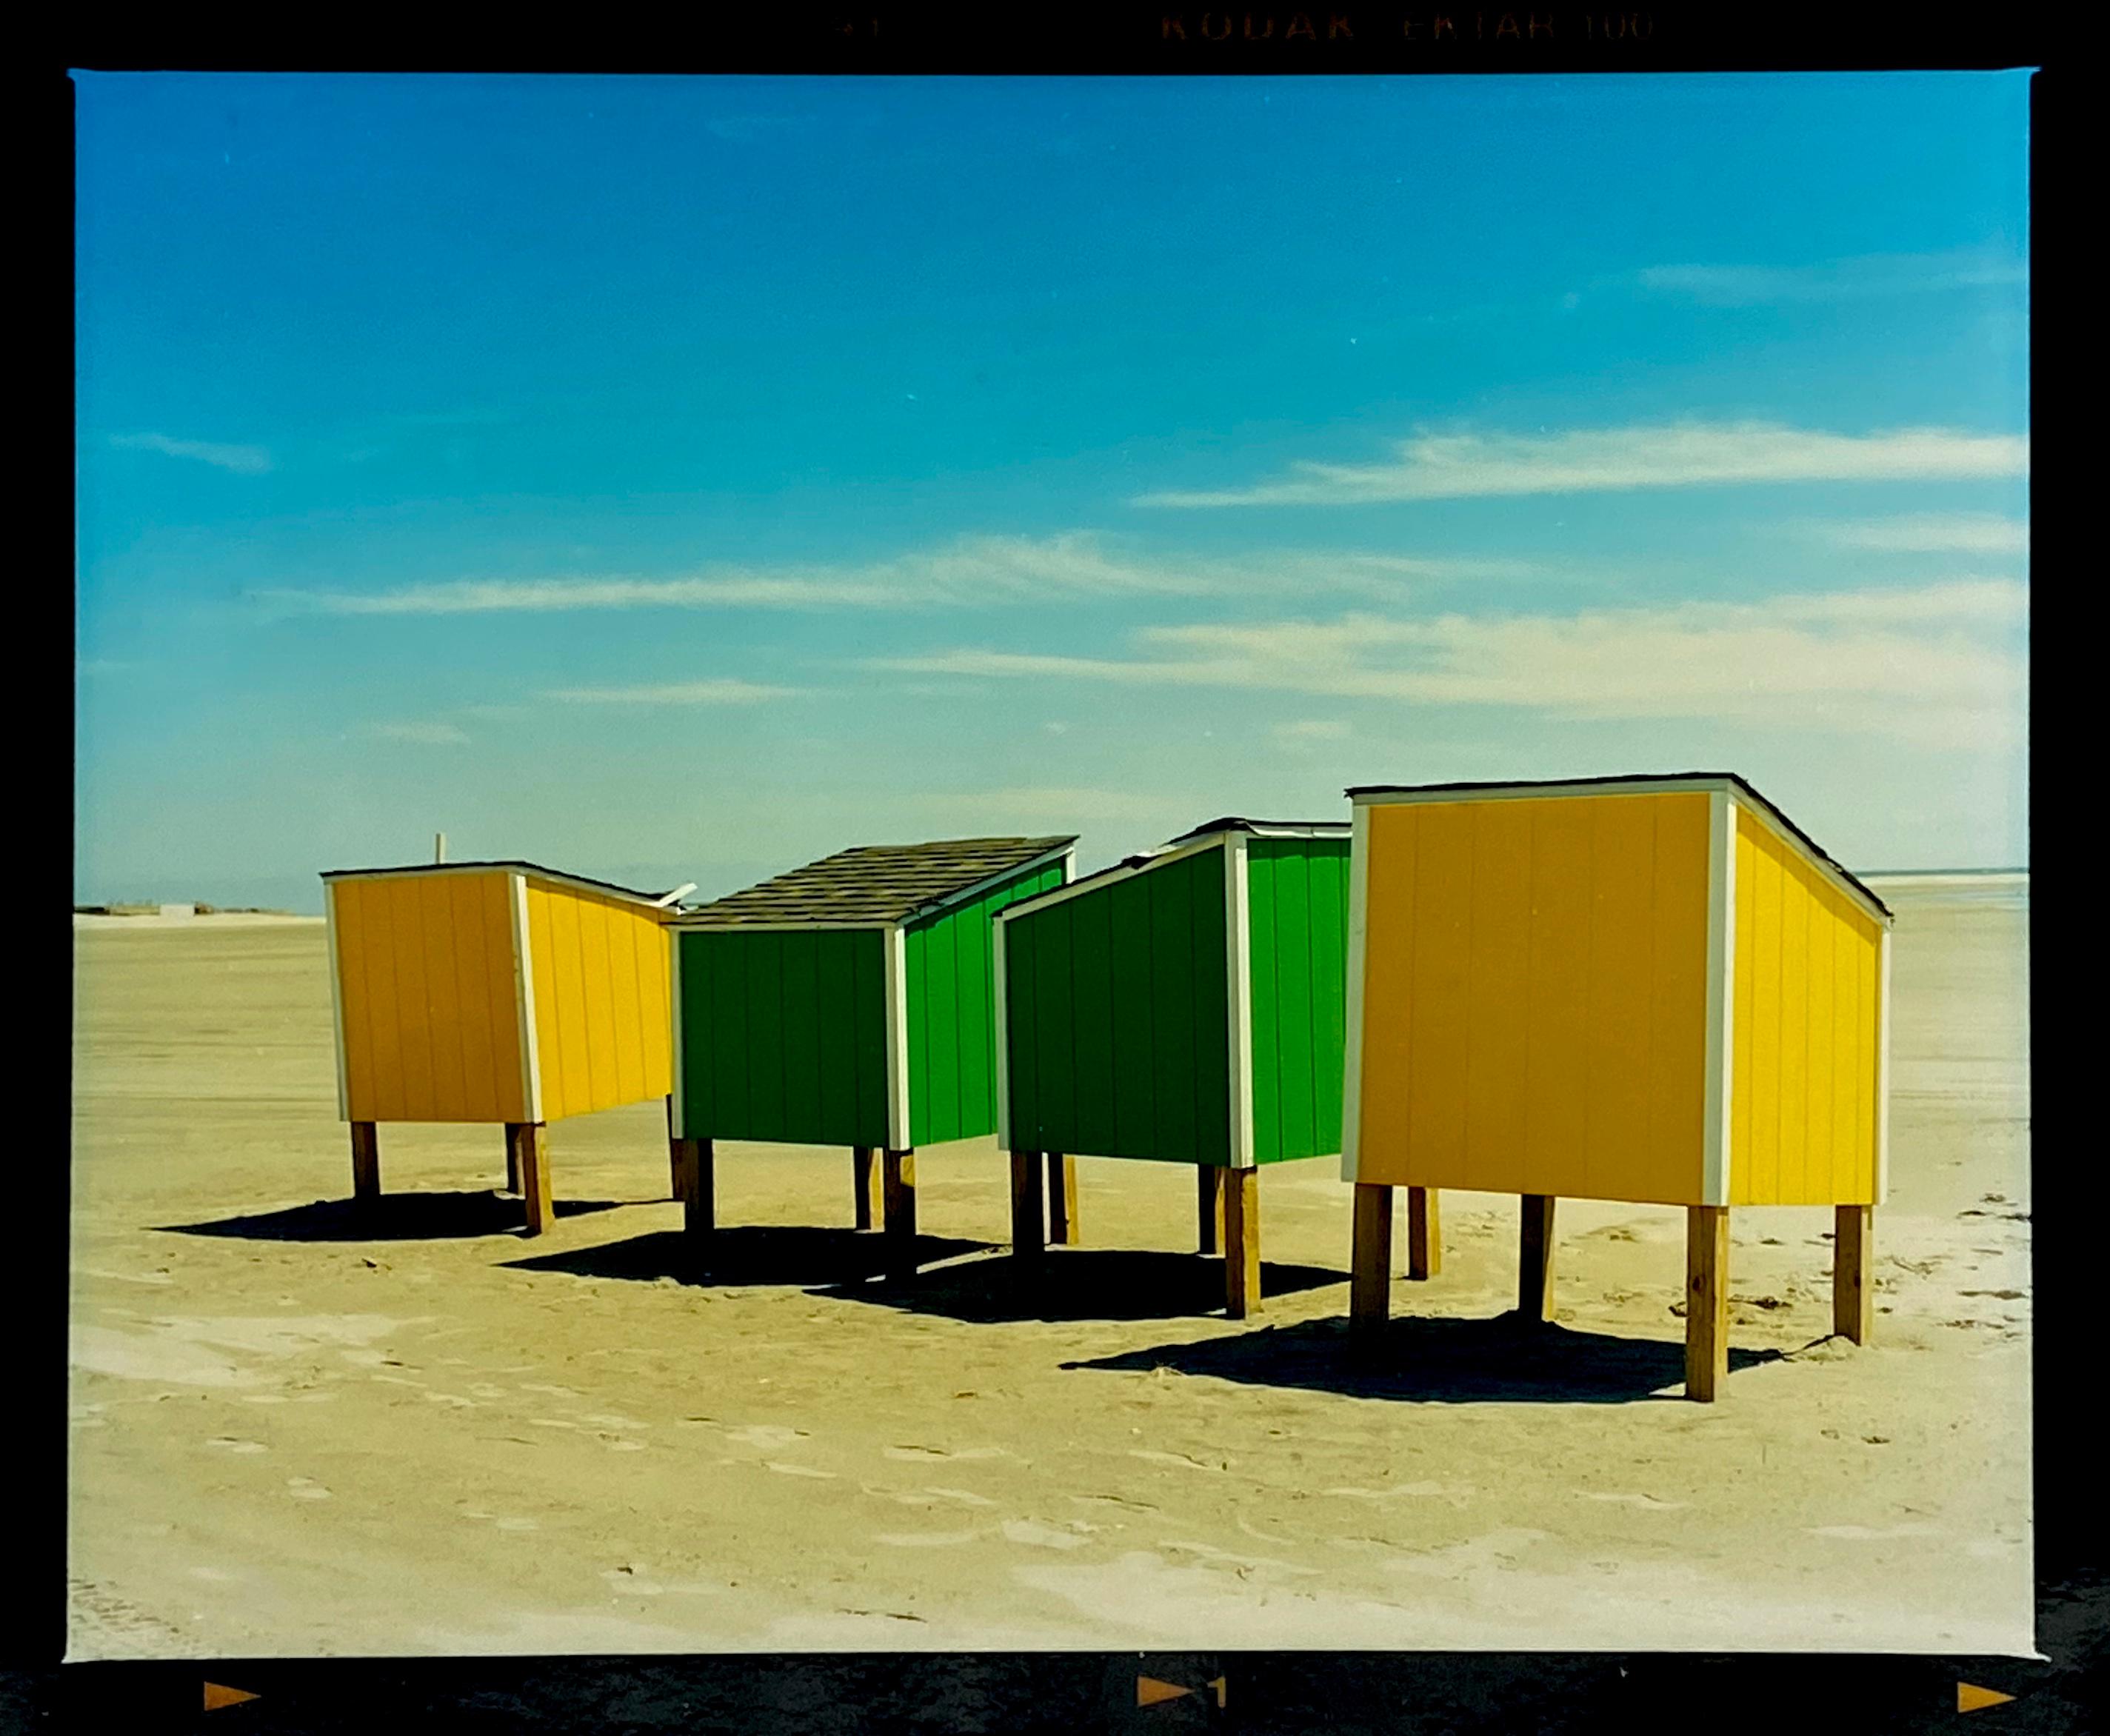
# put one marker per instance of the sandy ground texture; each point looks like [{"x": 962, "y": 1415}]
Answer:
[{"x": 292, "y": 1435}]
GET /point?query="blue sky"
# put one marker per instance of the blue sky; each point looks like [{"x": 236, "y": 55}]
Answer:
[{"x": 679, "y": 478}]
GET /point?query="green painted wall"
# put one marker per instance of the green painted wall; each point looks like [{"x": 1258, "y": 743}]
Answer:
[
  {"x": 784, "y": 1036},
  {"x": 1296, "y": 910},
  {"x": 1119, "y": 1019},
  {"x": 952, "y": 1019}
]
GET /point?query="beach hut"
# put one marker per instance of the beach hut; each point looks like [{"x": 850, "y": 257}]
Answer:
[
  {"x": 850, "y": 1003},
  {"x": 493, "y": 991},
  {"x": 1186, "y": 1005},
  {"x": 1653, "y": 989}
]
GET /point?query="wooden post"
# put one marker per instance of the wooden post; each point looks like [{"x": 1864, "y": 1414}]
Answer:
[
  {"x": 1028, "y": 1235},
  {"x": 1706, "y": 1301},
  {"x": 1241, "y": 1242},
  {"x": 512, "y": 1168},
  {"x": 366, "y": 1161},
  {"x": 900, "y": 1209},
  {"x": 1535, "y": 1259},
  {"x": 1209, "y": 1208},
  {"x": 1424, "y": 1234},
  {"x": 695, "y": 1186},
  {"x": 1061, "y": 1198},
  {"x": 675, "y": 1180},
  {"x": 530, "y": 1144},
  {"x": 864, "y": 1186},
  {"x": 1854, "y": 1271},
  {"x": 1370, "y": 1262}
]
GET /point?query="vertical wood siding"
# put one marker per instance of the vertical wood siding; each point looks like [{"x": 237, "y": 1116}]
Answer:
[
  {"x": 784, "y": 1036},
  {"x": 430, "y": 1022},
  {"x": 600, "y": 1000},
  {"x": 1805, "y": 1033},
  {"x": 951, "y": 1022},
  {"x": 1534, "y": 1009},
  {"x": 1117, "y": 1008},
  {"x": 1296, "y": 899}
]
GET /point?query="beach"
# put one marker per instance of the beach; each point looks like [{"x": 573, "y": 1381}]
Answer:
[{"x": 297, "y": 1433}]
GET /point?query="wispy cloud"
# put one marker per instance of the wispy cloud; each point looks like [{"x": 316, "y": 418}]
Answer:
[
  {"x": 1871, "y": 274},
  {"x": 1432, "y": 467},
  {"x": 1917, "y": 664},
  {"x": 1305, "y": 730},
  {"x": 972, "y": 572},
  {"x": 246, "y": 460},
  {"x": 1933, "y": 533},
  {"x": 431, "y": 734},
  {"x": 726, "y": 690}
]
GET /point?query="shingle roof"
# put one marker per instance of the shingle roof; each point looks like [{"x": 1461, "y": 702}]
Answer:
[{"x": 877, "y": 883}]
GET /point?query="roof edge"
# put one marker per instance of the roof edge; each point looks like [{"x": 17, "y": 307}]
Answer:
[
  {"x": 1732, "y": 782},
  {"x": 653, "y": 900}
]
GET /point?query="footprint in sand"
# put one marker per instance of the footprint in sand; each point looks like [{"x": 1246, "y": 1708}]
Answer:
[
  {"x": 228, "y": 1444},
  {"x": 767, "y": 1434},
  {"x": 1640, "y": 1500},
  {"x": 914, "y": 1455},
  {"x": 305, "y": 1489},
  {"x": 518, "y": 1524},
  {"x": 795, "y": 1470},
  {"x": 925, "y": 1539},
  {"x": 1044, "y": 1536}
]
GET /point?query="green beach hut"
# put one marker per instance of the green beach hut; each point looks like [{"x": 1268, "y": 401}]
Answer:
[
  {"x": 851, "y": 1002},
  {"x": 1188, "y": 1005}
]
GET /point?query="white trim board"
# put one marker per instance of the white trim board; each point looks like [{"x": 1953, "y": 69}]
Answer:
[
  {"x": 894, "y": 960},
  {"x": 1883, "y": 1067},
  {"x": 1719, "y": 1083},
  {"x": 337, "y": 999},
  {"x": 1113, "y": 876},
  {"x": 524, "y": 983},
  {"x": 1352, "y": 1102},
  {"x": 1000, "y": 1022},
  {"x": 1238, "y": 983},
  {"x": 674, "y": 1085}
]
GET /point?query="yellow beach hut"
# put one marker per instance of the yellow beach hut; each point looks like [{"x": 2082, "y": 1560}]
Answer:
[
  {"x": 494, "y": 992},
  {"x": 1653, "y": 989}
]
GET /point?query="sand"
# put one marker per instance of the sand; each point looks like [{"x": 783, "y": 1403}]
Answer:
[{"x": 295, "y": 1436}]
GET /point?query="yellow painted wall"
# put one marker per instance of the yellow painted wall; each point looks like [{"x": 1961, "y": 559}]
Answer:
[
  {"x": 430, "y": 1017},
  {"x": 602, "y": 1014},
  {"x": 1534, "y": 1008},
  {"x": 1804, "y": 1031}
]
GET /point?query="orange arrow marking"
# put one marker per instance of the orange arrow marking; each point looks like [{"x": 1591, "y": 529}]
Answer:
[
  {"x": 216, "y": 1697},
  {"x": 1970, "y": 1697},
  {"x": 1149, "y": 1690}
]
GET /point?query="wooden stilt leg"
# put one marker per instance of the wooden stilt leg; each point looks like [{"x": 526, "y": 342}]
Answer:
[
  {"x": 1028, "y": 1236},
  {"x": 1535, "y": 1259},
  {"x": 1241, "y": 1242},
  {"x": 673, "y": 1155},
  {"x": 1424, "y": 1234},
  {"x": 1061, "y": 1200},
  {"x": 1854, "y": 1271},
  {"x": 1370, "y": 1264},
  {"x": 1706, "y": 1301},
  {"x": 900, "y": 1209},
  {"x": 530, "y": 1143},
  {"x": 366, "y": 1161},
  {"x": 512, "y": 1167},
  {"x": 864, "y": 1185},
  {"x": 1209, "y": 1208}
]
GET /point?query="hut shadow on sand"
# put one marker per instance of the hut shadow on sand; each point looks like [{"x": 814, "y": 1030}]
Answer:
[
  {"x": 1083, "y": 1284},
  {"x": 1505, "y": 1359},
  {"x": 438, "y": 1216},
  {"x": 798, "y": 1254}
]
